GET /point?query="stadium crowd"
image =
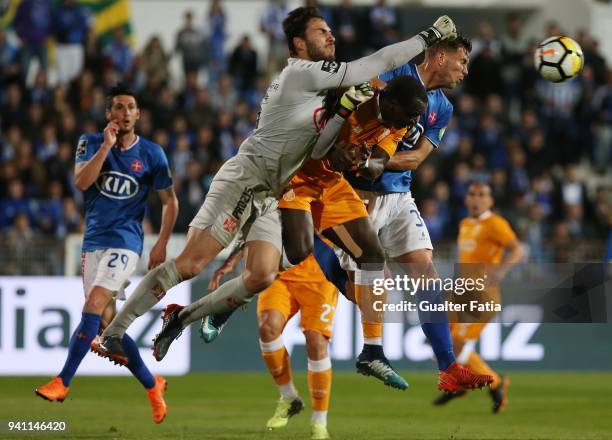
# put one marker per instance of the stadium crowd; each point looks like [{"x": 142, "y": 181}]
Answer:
[{"x": 546, "y": 149}]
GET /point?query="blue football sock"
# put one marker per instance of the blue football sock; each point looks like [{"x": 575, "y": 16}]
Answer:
[
  {"x": 437, "y": 329},
  {"x": 330, "y": 265},
  {"x": 135, "y": 363},
  {"x": 79, "y": 345}
]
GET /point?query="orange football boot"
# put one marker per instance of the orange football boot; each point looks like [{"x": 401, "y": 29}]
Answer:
[
  {"x": 457, "y": 378},
  {"x": 156, "y": 397},
  {"x": 54, "y": 391}
]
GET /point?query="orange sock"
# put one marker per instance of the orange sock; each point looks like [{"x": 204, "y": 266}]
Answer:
[
  {"x": 319, "y": 385},
  {"x": 278, "y": 362},
  {"x": 478, "y": 365},
  {"x": 371, "y": 320}
]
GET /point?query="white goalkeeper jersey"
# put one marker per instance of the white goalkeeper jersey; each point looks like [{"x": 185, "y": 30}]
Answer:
[
  {"x": 291, "y": 116},
  {"x": 292, "y": 109}
]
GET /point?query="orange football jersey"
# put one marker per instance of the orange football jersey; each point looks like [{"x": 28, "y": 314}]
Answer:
[
  {"x": 362, "y": 127},
  {"x": 482, "y": 240}
]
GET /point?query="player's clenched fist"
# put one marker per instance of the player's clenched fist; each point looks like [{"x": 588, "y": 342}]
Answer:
[
  {"x": 110, "y": 134},
  {"x": 442, "y": 29}
]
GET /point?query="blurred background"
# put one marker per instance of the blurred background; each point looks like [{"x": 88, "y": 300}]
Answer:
[{"x": 200, "y": 69}]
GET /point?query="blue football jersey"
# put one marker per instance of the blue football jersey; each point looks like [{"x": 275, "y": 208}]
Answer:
[
  {"x": 432, "y": 125},
  {"x": 115, "y": 203}
]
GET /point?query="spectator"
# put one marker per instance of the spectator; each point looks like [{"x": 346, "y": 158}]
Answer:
[
  {"x": 33, "y": 26},
  {"x": 346, "y": 22},
  {"x": 40, "y": 93},
  {"x": 94, "y": 59},
  {"x": 14, "y": 204},
  {"x": 187, "y": 97},
  {"x": 433, "y": 220},
  {"x": 383, "y": 25},
  {"x": 154, "y": 59},
  {"x": 190, "y": 45},
  {"x": 13, "y": 109},
  {"x": 243, "y": 65},
  {"x": 224, "y": 96},
  {"x": 271, "y": 24},
  {"x": 602, "y": 109},
  {"x": 49, "y": 212},
  {"x": 118, "y": 55},
  {"x": 10, "y": 69},
  {"x": 216, "y": 40},
  {"x": 71, "y": 23}
]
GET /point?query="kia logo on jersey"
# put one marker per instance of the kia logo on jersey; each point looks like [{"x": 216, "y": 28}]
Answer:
[{"x": 116, "y": 185}]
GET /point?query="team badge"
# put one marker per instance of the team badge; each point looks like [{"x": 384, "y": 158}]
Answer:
[
  {"x": 136, "y": 166},
  {"x": 289, "y": 196},
  {"x": 432, "y": 117},
  {"x": 229, "y": 225},
  {"x": 330, "y": 66}
]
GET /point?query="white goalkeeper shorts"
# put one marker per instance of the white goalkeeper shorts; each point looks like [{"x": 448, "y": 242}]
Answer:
[
  {"x": 397, "y": 221},
  {"x": 108, "y": 268}
]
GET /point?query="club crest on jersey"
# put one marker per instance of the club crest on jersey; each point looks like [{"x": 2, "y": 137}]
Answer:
[
  {"x": 137, "y": 166},
  {"x": 289, "y": 196},
  {"x": 116, "y": 185},
  {"x": 330, "y": 66},
  {"x": 432, "y": 117},
  {"x": 229, "y": 225}
]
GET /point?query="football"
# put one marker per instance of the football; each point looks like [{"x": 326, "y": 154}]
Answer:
[{"x": 558, "y": 59}]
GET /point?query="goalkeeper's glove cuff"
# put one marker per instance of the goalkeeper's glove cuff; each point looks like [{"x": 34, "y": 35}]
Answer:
[
  {"x": 430, "y": 36},
  {"x": 345, "y": 107}
]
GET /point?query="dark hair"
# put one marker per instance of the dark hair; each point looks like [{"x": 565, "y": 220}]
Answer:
[
  {"x": 295, "y": 24},
  {"x": 118, "y": 90},
  {"x": 480, "y": 182},
  {"x": 452, "y": 44},
  {"x": 406, "y": 91}
]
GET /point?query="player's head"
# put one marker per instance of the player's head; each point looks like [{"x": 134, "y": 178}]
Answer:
[
  {"x": 478, "y": 198},
  {"x": 121, "y": 107},
  {"x": 308, "y": 35},
  {"x": 448, "y": 61},
  {"x": 402, "y": 102}
]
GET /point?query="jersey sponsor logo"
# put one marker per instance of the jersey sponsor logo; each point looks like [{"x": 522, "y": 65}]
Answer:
[
  {"x": 330, "y": 66},
  {"x": 243, "y": 202},
  {"x": 81, "y": 148},
  {"x": 432, "y": 118},
  {"x": 229, "y": 225},
  {"x": 116, "y": 185},
  {"x": 137, "y": 166}
]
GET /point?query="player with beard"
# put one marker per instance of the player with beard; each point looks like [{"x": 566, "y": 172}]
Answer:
[{"x": 243, "y": 195}]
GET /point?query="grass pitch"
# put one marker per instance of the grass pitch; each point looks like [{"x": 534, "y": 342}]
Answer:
[{"x": 236, "y": 406}]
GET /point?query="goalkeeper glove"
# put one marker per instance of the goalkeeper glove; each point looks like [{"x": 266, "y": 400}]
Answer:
[
  {"x": 442, "y": 29},
  {"x": 353, "y": 98}
]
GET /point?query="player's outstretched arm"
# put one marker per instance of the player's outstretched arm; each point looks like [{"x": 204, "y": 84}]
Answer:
[
  {"x": 169, "y": 215},
  {"x": 86, "y": 173},
  {"x": 389, "y": 57}
]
